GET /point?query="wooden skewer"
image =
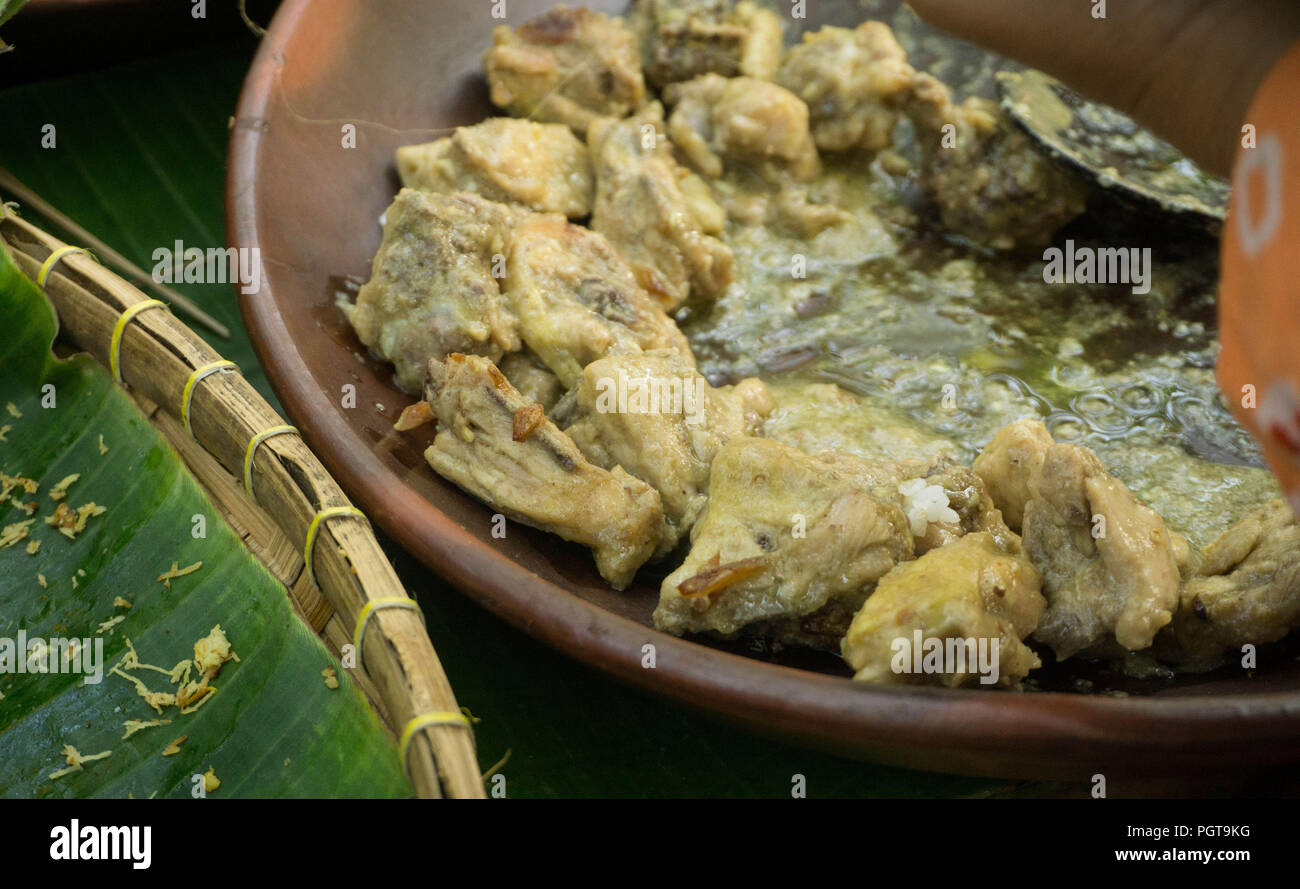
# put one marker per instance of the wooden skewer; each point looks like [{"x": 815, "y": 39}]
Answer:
[{"x": 11, "y": 184}]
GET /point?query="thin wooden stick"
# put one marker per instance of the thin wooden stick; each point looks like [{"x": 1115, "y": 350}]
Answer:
[
  {"x": 27, "y": 197},
  {"x": 158, "y": 354}
]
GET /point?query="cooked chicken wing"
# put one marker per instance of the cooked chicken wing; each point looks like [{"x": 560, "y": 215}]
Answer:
[
  {"x": 499, "y": 447},
  {"x": 541, "y": 166},
  {"x": 784, "y": 539},
  {"x": 681, "y": 39},
  {"x": 969, "y": 599},
  {"x": 719, "y": 121},
  {"x": 566, "y": 66},
  {"x": 990, "y": 182},
  {"x": 853, "y": 82},
  {"x": 657, "y": 417},
  {"x": 660, "y": 217},
  {"x": 431, "y": 289},
  {"x": 576, "y": 299}
]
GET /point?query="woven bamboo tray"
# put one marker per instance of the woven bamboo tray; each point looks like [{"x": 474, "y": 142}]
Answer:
[{"x": 158, "y": 355}]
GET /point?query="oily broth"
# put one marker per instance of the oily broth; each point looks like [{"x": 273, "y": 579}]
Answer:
[{"x": 944, "y": 343}]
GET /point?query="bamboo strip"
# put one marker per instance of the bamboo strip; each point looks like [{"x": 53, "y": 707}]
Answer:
[
  {"x": 266, "y": 542},
  {"x": 258, "y": 530},
  {"x": 158, "y": 353}
]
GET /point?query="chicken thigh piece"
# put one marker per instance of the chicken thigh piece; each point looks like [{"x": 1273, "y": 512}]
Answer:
[
  {"x": 719, "y": 121},
  {"x": 431, "y": 290},
  {"x": 970, "y": 592},
  {"x": 1111, "y": 568},
  {"x": 788, "y": 546},
  {"x": 539, "y": 166},
  {"x": 657, "y": 417},
  {"x": 681, "y": 39},
  {"x": 854, "y": 83},
  {"x": 1246, "y": 589},
  {"x": 498, "y": 446},
  {"x": 660, "y": 217},
  {"x": 568, "y": 66},
  {"x": 576, "y": 300}
]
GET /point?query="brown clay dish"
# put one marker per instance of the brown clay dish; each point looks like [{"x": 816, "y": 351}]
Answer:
[{"x": 404, "y": 71}]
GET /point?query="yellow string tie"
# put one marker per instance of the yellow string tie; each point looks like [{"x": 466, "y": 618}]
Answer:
[
  {"x": 251, "y": 451},
  {"x": 424, "y": 721},
  {"x": 359, "y": 634},
  {"x": 53, "y": 259},
  {"x": 314, "y": 528},
  {"x": 188, "y": 394},
  {"x": 115, "y": 344}
]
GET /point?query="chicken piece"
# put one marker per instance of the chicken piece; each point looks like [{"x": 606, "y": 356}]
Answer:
[
  {"x": 1109, "y": 565},
  {"x": 991, "y": 183},
  {"x": 1122, "y": 581},
  {"x": 660, "y": 217},
  {"x": 719, "y": 121},
  {"x": 681, "y": 39},
  {"x": 532, "y": 378},
  {"x": 568, "y": 66},
  {"x": 970, "y": 507},
  {"x": 941, "y": 499},
  {"x": 658, "y": 418},
  {"x": 541, "y": 166},
  {"x": 499, "y": 447},
  {"x": 577, "y": 301},
  {"x": 431, "y": 290},
  {"x": 959, "y": 613},
  {"x": 1246, "y": 589},
  {"x": 854, "y": 83},
  {"x": 1008, "y": 462},
  {"x": 786, "y": 541}
]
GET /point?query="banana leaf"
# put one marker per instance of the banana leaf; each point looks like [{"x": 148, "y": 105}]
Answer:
[
  {"x": 273, "y": 727},
  {"x": 8, "y": 9}
]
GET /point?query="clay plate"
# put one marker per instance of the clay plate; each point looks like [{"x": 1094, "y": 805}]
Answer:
[{"x": 404, "y": 71}]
